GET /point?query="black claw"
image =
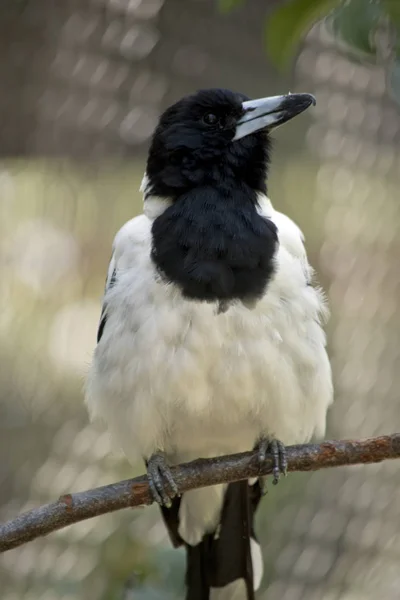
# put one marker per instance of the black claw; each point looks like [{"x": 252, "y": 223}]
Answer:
[
  {"x": 262, "y": 450},
  {"x": 282, "y": 458},
  {"x": 274, "y": 448},
  {"x": 153, "y": 490},
  {"x": 158, "y": 471},
  {"x": 279, "y": 460},
  {"x": 171, "y": 481}
]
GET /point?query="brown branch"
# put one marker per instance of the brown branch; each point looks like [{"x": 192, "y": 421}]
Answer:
[{"x": 72, "y": 508}]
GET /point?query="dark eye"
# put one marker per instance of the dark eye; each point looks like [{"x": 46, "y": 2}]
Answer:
[{"x": 210, "y": 119}]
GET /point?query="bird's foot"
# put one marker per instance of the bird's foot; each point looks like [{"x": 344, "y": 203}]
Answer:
[
  {"x": 158, "y": 472},
  {"x": 279, "y": 460}
]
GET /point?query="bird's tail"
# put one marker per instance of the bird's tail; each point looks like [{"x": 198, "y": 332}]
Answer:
[{"x": 228, "y": 565}]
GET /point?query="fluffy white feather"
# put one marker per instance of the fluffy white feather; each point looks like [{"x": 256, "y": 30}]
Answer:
[
  {"x": 236, "y": 590},
  {"x": 171, "y": 374}
]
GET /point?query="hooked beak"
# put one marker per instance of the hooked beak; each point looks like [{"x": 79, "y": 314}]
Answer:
[{"x": 271, "y": 112}]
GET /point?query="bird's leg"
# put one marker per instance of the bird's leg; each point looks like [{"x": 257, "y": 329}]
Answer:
[
  {"x": 158, "y": 472},
  {"x": 279, "y": 460}
]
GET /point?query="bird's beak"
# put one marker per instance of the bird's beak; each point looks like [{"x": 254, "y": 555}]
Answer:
[{"x": 271, "y": 112}]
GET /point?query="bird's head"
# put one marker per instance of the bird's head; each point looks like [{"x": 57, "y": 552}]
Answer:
[
  {"x": 208, "y": 163},
  {"x": 216, "y": 137}
]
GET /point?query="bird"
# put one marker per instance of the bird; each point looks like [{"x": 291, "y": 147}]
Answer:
[{"x": 211, "y": 338}]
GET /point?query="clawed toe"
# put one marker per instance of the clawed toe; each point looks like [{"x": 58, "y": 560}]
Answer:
[
  {"x": 159, "y": 473},
  {"x": 279, "y": 459},
  {"x": 278, "y": 452}
]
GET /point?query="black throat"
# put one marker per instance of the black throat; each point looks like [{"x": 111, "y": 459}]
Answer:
[
  {"x": 214, "y": 245},
  {"x": 211, "y": 242}
]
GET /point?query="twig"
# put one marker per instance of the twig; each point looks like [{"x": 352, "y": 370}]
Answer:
[{"x": 72, "y": 508}]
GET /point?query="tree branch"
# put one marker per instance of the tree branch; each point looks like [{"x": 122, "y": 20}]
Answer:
[{"x": 72, "y": 508}]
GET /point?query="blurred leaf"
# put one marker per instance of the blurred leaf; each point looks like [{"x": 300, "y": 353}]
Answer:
[
  {"x": 355, "y": 24},
  {"x": 288, "y": 25},
  {"x": 394, "y": 79},
  {"x": 226, "y": 6},
  {"x": 392, "y": 8}
]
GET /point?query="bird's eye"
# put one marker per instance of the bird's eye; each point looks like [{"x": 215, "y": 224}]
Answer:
[{"x": 210, "y": 119}]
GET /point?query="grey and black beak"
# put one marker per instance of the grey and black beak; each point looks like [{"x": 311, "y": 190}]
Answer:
[{"x": 267, "y": 113}]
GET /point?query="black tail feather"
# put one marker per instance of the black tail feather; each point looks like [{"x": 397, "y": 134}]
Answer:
[
  {"x": 225, "y": 557},
  {"x": 171, "y": 520}
]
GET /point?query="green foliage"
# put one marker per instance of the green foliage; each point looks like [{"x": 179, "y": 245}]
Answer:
[
  {"x": 288, "y": 25},
  {"x": 355, "y": 23},
  {"x": 392, "y": 8}
]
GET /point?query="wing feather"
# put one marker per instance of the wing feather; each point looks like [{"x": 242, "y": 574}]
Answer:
[{"x": 110, "y": 282}]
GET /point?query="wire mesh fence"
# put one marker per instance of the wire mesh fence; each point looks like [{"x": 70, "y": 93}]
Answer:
[{"x": 83, "y": 85}]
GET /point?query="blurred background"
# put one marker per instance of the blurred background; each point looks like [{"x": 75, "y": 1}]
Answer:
[{"x": 82, "y": 85}]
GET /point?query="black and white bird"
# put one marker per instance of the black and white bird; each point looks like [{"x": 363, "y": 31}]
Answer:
[{"x": 211, "y": 340}]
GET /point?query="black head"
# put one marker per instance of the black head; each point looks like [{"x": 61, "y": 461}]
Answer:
[{"x": 216, "y": 137}]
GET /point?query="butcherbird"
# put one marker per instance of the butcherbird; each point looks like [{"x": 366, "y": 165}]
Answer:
[{"x": 210, "y": 340}]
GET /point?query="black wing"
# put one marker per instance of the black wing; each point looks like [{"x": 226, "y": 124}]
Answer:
[{"x": 110, "y": 282}]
